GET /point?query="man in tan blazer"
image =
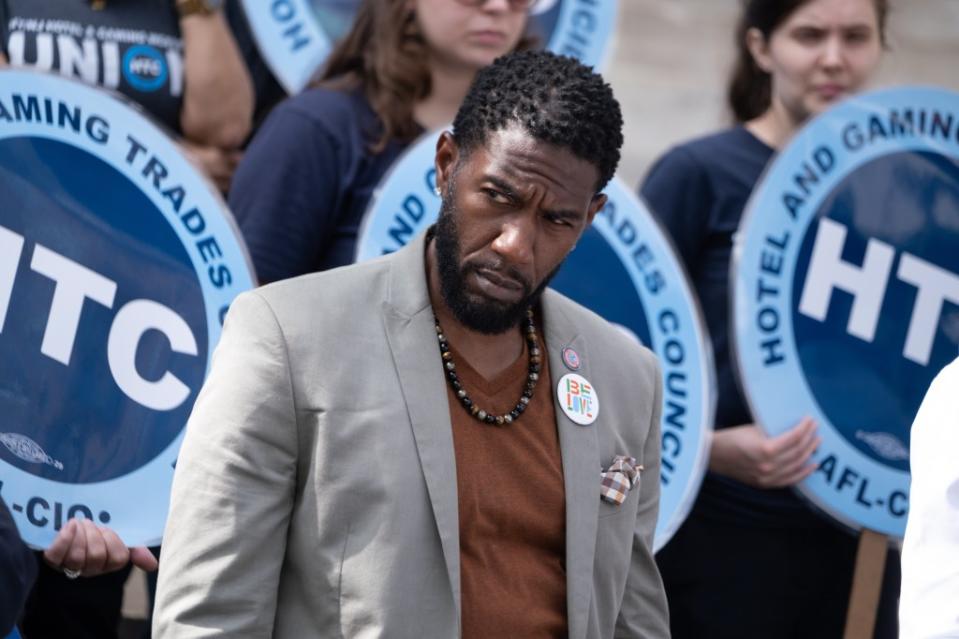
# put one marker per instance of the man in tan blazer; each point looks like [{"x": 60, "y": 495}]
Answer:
[{"x": 431, "y": 445}]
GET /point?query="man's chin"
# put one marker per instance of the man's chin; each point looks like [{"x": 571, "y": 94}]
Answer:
[{"x": 490, "y": 316}]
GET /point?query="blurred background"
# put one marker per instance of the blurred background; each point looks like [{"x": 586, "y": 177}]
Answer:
[{"x": 671, "y": 58}]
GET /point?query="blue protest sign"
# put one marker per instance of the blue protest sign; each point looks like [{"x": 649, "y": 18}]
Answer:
[
  {"x": 846, "y": 286},
  {"x": 578, "y": 28},
  {"x": 623, "y": 268},
  {"x": 295, "y": 36},
  {"x": 118, "y": 261}
]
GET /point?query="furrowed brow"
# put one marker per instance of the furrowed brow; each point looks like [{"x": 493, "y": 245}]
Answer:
[{"x": 508, "y": 189}]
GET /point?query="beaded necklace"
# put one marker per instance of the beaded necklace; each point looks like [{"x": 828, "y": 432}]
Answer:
[{"x": 535, "y": 358}]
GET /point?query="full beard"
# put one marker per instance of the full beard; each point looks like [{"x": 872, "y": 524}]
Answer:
[{"x": 476, "y": 311}]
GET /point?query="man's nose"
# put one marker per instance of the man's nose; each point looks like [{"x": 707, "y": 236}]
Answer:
[{"x": 516, "y": 241}]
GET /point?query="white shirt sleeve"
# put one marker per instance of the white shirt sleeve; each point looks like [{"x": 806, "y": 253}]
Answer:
[{"x": 929, "y": 602}]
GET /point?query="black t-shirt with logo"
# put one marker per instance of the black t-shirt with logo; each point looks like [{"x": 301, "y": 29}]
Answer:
[{"x": 130, "y": 46}]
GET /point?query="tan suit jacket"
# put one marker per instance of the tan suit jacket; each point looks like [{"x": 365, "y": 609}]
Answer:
[{"x": 315, "y": 493}]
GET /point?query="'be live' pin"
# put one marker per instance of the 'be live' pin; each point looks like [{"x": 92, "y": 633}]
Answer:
[{"x": 578, "y": 399}]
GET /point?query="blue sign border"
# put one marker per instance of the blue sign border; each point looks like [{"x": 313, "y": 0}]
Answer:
[
  {"x": 291, "y": 42},
  {"x": 767, "y": 216},
  {"x": 584, "y": 31},
  {"x": 141, "y": 497},
  {"x": 405, "y": 204}
]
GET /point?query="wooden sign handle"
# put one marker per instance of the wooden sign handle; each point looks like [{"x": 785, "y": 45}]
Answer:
[{"x": 866, "y": 585}]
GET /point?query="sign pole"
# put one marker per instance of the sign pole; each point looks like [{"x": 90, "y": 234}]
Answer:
[{"x": 866, "y": 585}]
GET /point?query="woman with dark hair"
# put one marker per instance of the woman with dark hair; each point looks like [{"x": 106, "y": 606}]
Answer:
[
  {"x": 752, "y": 560},
  {"x": 307, "y": 177}
]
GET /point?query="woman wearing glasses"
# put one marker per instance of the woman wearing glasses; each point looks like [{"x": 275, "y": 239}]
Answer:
[{"x": 307, "y": 177}]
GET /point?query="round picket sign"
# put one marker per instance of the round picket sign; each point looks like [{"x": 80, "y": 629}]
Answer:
[
  {"x": 846, "y": 291},
  {"x": 118, "y": 261}
]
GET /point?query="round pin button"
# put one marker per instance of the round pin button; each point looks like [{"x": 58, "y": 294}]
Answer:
[
  {"x": 578, "y": 398},
  {"x": 571, "y": 359}
]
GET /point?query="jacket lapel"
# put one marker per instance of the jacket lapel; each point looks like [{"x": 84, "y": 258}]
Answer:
[
  {"x": 410, "y": 330},
  {"x": 581, "y": 470},
  {"x": 408, "y": 319}
]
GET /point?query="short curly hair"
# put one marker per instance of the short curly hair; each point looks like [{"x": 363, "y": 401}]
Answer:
[{"x": 555, "y": 98}]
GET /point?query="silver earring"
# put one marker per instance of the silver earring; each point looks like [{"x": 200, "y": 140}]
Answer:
[{"x": 437, "y": 191}]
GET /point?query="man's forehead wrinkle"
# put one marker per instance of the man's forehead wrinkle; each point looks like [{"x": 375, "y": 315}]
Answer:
[
  {"x": 515, "y": 155},
  {"x": 515, "y": 172},
  {"x": 517, "y": 162}
]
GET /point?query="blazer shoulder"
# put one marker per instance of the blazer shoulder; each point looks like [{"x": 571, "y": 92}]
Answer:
[{"x": 327, "y": 296}]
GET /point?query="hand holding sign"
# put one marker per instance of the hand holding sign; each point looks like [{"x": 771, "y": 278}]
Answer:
[
  {"x": 83, "y": 547},
  {"x": 747, "y": 454}
]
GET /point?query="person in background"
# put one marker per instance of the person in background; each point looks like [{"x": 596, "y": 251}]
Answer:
[
  {"x": 87, "y": 607},
  {"x": 175, "y": 58},
  {"x": 929, "y": 601},
  {"x": 81, "y": 548},
  {"x": 307, "y": 176},
  {"x": 17, "y": 571},
  {"x": 753, "y": 560},
  {"x": 267, "y": 91}
]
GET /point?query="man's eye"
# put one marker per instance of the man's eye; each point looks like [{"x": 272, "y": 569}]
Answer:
[
  {"x": 496, "y": 196},
  {"x": 558, "y": 220}
]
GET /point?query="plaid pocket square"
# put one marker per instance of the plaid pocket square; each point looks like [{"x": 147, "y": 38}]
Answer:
[{"x": 618, "y": 479}]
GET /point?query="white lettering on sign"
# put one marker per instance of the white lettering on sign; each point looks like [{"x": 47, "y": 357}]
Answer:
[
  {"x": 174, "y": 61},
  {"x": 16, "y": 45},
  {"x": 11, "y": 245},
  {"x": 76, "y": 62},
  {"x": 935, "y": 285},
  {"x": 74, "y": 284},
  {"x": 867, "y": 284},
  {"x": 146, "y": 66},
  {"x": 111, "y": 64},
  {"x": 827, "y": 271},
  {"x": 130, "y": 324},
  {"x": 83, "y": 59}
]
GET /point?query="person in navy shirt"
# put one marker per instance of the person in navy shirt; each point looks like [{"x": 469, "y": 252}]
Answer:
[
  {"x": 753, "y": 560},
  {"x": 17, "y": 571}
]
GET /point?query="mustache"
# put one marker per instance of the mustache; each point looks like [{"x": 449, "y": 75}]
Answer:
[{"x": 500, "y": 268}]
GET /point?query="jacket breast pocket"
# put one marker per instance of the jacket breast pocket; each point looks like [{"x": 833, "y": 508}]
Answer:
[{"x": 609, "y": 510}]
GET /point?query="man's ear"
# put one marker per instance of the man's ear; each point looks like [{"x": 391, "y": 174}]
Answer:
[
  {"x": 595, "y": 206},
  {"x": 447, "y": 155}
]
